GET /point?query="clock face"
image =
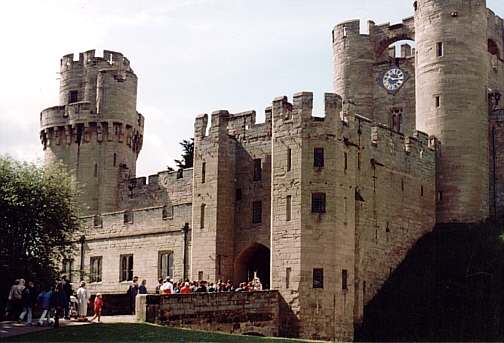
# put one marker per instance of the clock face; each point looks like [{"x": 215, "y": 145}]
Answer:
[{"x": 393, "y": 79}]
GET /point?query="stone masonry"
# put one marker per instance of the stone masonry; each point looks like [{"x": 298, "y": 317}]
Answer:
[{"x": 321, "y": 206}]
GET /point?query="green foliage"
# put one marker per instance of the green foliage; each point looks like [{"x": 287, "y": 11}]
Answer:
[
  {"x": 187, "y": 154},
  {"x": 38, "y": 217}
]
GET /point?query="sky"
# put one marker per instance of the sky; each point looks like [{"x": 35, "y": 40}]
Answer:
[{"x": 191, "y": 57}]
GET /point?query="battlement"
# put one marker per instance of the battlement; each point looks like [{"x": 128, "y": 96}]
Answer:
[
  {"x": 241, "y": 125},
  {"x": 110, "y": 58}
]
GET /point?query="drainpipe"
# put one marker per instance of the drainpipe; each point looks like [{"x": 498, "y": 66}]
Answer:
[
  {"x": 185, "y": 229},
  {"x": 82, "y": 240}
]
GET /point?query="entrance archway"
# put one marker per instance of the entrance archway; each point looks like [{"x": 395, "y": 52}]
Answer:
[{"x": 254, "y": 259}]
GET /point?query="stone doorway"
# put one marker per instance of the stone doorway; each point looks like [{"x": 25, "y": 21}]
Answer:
[{"x": 254, "y": 259}]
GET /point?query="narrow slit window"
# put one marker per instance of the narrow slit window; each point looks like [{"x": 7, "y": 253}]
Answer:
[
  {"x": 202, "y": 216},
  {"x": 344, "y": 279},
  {"x": 96, "y": 169},
  {"x": 203, "y": 172},
  {"x": 288, "y": 271},
  {"x": 438, "y": 101},
  {"x": 439, "y": 49},
  {"x": 257, "y": 169},
  {"x": 318, "y": 157},
  {"x": 346, "y": 161},
  {"x": 115, "y": 159},
  {"x": 238, "y": 194},
  {"x": 288, "y": 208},
  {"x": 289, "y": 159},
  {"x": 421, "y": 191}
]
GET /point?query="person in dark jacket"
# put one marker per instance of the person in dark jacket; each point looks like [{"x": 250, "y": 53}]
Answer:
[
  {"x": 58, "y": 301},
  {"x": 67, "y": 289},
  {"x": 142, "y": 289},
  {"x": 132, "y": 293},
  {"x": 29, "y": 299}
]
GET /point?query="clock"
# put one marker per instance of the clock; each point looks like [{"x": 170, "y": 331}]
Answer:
[{"x": 393, "y": 79}]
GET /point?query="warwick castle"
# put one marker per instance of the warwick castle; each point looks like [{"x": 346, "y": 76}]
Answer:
[{"x": 322, "y": 207}]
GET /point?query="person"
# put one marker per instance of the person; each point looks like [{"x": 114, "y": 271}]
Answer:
[
  {"x": 142, "y": 289},
  {"x": 83, "y": 296},
  {"x": 202, "y": 288},
  {"x": 160, "y": 283},
  {"x": 67, "y": 290},
  {"x": 98, "y": 305},
  {"x": 44, "y": 301},
  {"x": 132, "y": 293},
  {"x": 186, "y": 289},
  {"x": 167, "y": 287},
  {"x": 58, "y": 301},
  {"x": 16, "y": 297},
  {"x": 29, "y": 300}
]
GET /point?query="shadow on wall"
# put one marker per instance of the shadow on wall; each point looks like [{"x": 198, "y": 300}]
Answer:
[{"x": 450, "y": 287}]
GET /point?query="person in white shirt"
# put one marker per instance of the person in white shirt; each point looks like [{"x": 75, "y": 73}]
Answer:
[
  {"x": 83, "y": 297},
  {"x": 166, "y": 287}
]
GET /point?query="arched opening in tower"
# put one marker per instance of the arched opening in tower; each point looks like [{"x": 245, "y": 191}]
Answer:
[
  {"x": 493, "y": 49},
  {"x": 252, "y": 262}
]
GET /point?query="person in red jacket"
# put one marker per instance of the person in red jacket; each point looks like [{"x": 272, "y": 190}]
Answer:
[
  {"x": 186, "y": 289},
  {"x": 98, "y": 305}
]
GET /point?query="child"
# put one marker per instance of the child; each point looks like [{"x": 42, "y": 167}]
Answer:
[{"x": 98, "y": 305}]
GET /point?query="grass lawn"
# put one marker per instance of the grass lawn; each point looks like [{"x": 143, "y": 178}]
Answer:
[{"x": 126, "y": 332}]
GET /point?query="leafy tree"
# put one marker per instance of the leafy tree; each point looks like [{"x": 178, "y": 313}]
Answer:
[
  {"x": 38, "y": 219},
  {"x": 187, "y": 155}
]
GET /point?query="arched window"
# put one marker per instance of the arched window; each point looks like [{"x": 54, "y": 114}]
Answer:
[{"x": 493, "y": 49}]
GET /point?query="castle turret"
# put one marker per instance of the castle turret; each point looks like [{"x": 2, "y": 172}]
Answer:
[
  {"x": 353, "y": 60},
  {"x": 451, "y": 101},
  {"x": 95, "y": 131}
]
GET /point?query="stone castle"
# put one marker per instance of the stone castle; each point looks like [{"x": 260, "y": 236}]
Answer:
[{"x": 322, "y": 208}]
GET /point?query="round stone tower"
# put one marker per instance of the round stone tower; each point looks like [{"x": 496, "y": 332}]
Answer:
[
  {"x": 96, "y": 131},
  {"x": 451, "y": 101},
  {"x": 353, "y": 60}
]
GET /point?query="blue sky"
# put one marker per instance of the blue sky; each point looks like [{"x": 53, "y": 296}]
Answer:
[{"x": 191, "y": 57}]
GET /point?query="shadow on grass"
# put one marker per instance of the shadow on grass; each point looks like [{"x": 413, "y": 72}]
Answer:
[
  {"x": 136, "y": 332},
  {"x": 450, "y": 287}
]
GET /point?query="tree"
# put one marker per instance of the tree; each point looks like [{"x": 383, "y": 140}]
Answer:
[
  {"x": 38, "y": 220},
  {"x": 187, "y": 154}
]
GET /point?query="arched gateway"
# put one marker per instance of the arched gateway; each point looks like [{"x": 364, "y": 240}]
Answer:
[{"x": 254, "y": 259}]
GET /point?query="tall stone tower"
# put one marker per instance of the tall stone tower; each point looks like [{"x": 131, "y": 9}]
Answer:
[
  {"x": 451, "y": 101},
  {"x": 96, "y": 131}
]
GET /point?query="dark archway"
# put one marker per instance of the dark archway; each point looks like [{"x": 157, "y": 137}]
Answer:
[{"x": 254, "y": 259}]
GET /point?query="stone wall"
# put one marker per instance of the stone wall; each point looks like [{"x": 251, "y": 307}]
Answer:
[{"x": 253, "y": 313}]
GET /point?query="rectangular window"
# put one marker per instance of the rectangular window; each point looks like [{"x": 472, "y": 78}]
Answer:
[
  {"x": 318, "y": 157},
  {"x": 203, "y": 172},
  {"x": 73, "y": 96},
  {"x": 439, "y": 49},
  {"x": 318, "y": 202},
  {"x": 318, "y": 278},
  {"x": 440, "y": 196},
  {"x": 128, "y": 217},
  {"x": 256, "y": 212},
  {"x": 438, "y": 101},
  {"x": 289, "y": 159},
  {"x": 95, "y": 269},
  {"x": 257, "y": 169},
  {"x": 67, "y": 269},
  {"x": 200, "y": 275},
  {"x": 421, "y": 191},
  {"x": 238, "y": 194},
  {"x": 126, "y": 262},
  {"x": 115, "y": 159},
  {"x": 344, "y": 279},
  {"x": 96, "y": 169},
  {"x": 346, "y": 161},
  {"x": 167, "y": 212},
  {"x": 165, "y": 264},
  {"x": 288, "y": 208},
  {"x": 202, "y": 216},
  {"x": 287, "y": 277}
]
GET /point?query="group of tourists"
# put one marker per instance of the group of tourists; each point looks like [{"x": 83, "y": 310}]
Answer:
[{"x": 53, "y": 302}]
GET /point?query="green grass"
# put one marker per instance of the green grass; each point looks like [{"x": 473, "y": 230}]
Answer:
[{"x": 138, "y": 332}]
